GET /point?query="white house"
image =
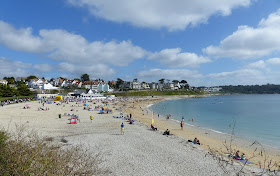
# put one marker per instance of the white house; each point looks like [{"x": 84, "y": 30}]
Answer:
[
  {"x": 145, "y": 85},
  {"x": 48, "y": 86},
  {"x": 212, "y": 89},
  {"x": 104, "y": 88},
  {"x": 91, "y": 95},
  {"x": 36, "y": 83},
  {"x": 3, "y": 82}
]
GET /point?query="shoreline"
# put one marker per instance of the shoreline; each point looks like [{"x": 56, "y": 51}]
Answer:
[{"x": 211, "y": 139}]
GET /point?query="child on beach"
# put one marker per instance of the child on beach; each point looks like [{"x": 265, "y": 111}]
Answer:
[{"x": 243, "y": 156}]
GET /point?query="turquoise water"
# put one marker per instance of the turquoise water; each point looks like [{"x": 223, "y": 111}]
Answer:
[{"x": 256, "y": 117}]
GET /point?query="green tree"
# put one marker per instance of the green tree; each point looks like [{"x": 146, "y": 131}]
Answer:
[
  {"x": 85, "y": 77},
  {"x": 161, "y": 81},
  {"x": 175, "y": 81},
  {"x": 7, "y": 91},
  {"x": 23, "y": 90},
  {"x": 30, "y": 77},
  {"x": 77, "y": 79},
  {"x": 11, "y": 80},
  {"x": 119, "y": 82}
]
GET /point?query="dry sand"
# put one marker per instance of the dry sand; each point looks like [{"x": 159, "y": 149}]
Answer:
[{"x": 140, "y": 151}]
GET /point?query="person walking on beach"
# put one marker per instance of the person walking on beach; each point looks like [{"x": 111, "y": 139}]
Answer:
[
  {"x": 182, "y": 124},
  {"x": 91, "y": 118},
  {"x": 122, "y": 129}
]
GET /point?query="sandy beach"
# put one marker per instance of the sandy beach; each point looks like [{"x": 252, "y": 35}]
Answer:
[
  {"x": 211, "y": 141},
  {"x": 140, "y": 151}
]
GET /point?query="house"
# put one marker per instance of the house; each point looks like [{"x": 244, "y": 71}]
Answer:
[
  {"x": 36, "y": 83},
  {"x": 155, "y": 85},
  {"x": 145, "y": 85},
  {"x": 131, "y": 85},
  {"x": 212, "y": 89},
  {"x": 169, "y": 86},
  {"x": 4, "y": 82},
  {"x": 21, "y": 79},
  {"x": 48, "y": 86},
  {"x": 104, "y": 88}
]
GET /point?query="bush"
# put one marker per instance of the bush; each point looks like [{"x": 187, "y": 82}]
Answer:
[{"x": 28, "y": 154}]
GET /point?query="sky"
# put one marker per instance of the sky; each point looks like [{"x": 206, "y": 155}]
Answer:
[{"x": 207, "y": 43}]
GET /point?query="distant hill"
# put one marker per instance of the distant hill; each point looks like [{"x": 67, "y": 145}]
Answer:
[{"x": 252, "y": 89}]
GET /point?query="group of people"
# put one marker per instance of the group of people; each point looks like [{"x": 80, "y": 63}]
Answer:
[{"x": 238, "y": 156}]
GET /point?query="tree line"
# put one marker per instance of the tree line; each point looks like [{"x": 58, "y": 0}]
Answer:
[
  {"x": 252, "y": 89},
  {"x": 7, "y": 91}
]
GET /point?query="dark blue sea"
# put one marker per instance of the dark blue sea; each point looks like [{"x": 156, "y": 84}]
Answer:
[{"x": 255, "y": 117}]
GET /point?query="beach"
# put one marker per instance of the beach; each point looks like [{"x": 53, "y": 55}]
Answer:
[
  {"x": 211, "y": 140},
  {"x": 140, "y": 151}
]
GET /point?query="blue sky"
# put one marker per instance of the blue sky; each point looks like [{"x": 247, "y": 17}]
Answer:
[{"x": 206, "y": 43}]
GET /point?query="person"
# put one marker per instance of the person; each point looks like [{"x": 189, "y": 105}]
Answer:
[
  {"x": 167, "y": 132},
  {"x": 153, "y": 127},
  {"x": 122, "y": 129},
  {"x": 196, "y": 141},
  {"x": 182, "y": 124},
  {"x": 91, "y": 118},
  {"x": 237, "y": 156},
  {"x": 243, "y": 156}
]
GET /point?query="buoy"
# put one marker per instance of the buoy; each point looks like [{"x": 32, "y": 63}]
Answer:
[{"x": 73, "y": 121}]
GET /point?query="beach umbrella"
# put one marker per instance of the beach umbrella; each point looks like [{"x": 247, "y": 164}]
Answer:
[{"x": 86, "y": 104}]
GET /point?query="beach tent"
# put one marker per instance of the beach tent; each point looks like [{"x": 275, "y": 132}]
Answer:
[{"x": 58, "y": 98}]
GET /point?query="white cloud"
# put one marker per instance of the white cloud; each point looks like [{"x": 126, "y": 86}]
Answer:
[
  {"x": 274, "y": 61},
  {"x": 258, "y": 64},
  {"x": 248, "y": 42},
  {"x": 172, "y": 74},
  {"x": 95, "y": 71},
  {"x": 11, "y": 68},
  {"x": 20, "y": 39},
  {"x": 173, "y": 15},
  {"x": 65, "y": 46},
  {"x": 174, "y": 58},
  {"x": 244, "y": 76},
  {"x": 43, "y": 67}
]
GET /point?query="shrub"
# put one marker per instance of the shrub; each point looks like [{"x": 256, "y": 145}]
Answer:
[{"x": 28, "y": 154}]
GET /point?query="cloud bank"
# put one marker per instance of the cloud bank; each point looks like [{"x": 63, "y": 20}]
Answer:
[
  {"x": 172, "y": 15},
  {"x": 250, "y": 43}
]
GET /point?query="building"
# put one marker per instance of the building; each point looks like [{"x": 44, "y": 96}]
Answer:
[
  {"x": 131, "y": 85},
  {"x": 48, "y": 86},
  {"x": 212, "y": 89},
  {"x": 104, "y": 88},
  {"x": 3, "y": 82},
  {"x": 36, "y": 83}
]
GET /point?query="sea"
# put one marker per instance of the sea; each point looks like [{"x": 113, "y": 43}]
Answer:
[{"x": 254, "y": 117}]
